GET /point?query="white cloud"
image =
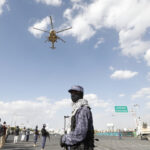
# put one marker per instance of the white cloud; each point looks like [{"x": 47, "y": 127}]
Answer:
[
  {"x": 42, "y": 24},
  {"x": 121, "y": 95},
  {"x": 123, "y": 74},
  {"x": 43, "y": 110},
  {"x": 50, "y": 2},
  {"x": 94, "y": 101},
  {"x": 125, "y": 16},
  {"x": 147, "y": 57},
  {"x": 67, "y": 14},
  {"x": 21, "y": 111},
  {"x": 80, "y": 28},
  {"x": 75, "y": 1},
  {"x": 42, "y": 98},
  {"x": 148, "y": 105},
  {"x": 2, "y": 3},
  {"x": 143, "y": 93},
  {"x": 100, "y": 41}
]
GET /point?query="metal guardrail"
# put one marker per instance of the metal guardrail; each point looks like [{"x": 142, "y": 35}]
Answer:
[{"x": 128, "y": 134}]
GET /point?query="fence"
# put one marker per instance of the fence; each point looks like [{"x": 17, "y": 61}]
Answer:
[{"x": 128, "y": 134}]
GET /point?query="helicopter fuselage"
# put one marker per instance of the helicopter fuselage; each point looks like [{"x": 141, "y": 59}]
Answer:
[{"x": 52, "y": 36}]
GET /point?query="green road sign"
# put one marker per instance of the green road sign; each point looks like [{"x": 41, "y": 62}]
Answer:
[{"x": 121, "y": 109}]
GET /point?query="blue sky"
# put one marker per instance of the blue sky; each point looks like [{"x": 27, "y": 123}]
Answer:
[{"x": 106, "y": 51}]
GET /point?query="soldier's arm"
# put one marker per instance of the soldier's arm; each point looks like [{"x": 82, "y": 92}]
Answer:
[{"x": 79, "y": 134}]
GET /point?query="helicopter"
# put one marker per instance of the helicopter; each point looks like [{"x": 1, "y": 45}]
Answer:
[{"x": 52, "y": 34}]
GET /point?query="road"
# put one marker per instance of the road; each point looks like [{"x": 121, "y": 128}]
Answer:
[{"x": 104, "y": 143}]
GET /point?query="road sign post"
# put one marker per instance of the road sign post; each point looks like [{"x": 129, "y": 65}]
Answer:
[{"x": 121, "y": 109}]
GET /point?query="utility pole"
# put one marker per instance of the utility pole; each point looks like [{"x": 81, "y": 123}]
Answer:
[
  {"x": 135, "y": 114},
  {"x": 65, "y": 117}
]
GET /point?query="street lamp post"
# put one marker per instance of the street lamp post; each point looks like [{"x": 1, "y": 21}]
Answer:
[
  {"x": 135, "y": 113},
  {"x": 65, "y": 117}
]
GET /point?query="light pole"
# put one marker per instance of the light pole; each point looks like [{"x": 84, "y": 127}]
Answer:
[
  {"x": 65, "y": 117},
  {"x": 136, "y": 115}
]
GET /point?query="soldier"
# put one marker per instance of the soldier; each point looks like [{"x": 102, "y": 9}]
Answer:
[
  {"x": 36, "y": 135},
  {"x": 17, "y": 130},
  {"x": 23, "y": 134},
  {"x": 119, "y": 134},
  {"x": 45, "y": 134},
  {"x": 27, "y": 134},
  {"x": 81, "y": 135},
  {"x": 7, "y": 132},
  {"x": 4, "y": 133}
]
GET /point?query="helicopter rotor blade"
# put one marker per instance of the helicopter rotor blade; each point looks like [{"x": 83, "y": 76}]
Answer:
[
  {"x": 61, "y": 39},
  {"x": 40, "y": 29},
  {"x": 51, "y": 22},
  {"x": 64, "y": 30}
]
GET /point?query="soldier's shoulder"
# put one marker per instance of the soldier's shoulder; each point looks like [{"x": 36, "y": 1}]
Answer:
[{"x": 86, "y": 109}]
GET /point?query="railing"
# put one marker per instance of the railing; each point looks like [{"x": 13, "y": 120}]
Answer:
[{"x": 129, "y": 133}]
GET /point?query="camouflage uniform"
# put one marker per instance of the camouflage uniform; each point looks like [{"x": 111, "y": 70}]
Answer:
[{"x": 81, "y": 136}]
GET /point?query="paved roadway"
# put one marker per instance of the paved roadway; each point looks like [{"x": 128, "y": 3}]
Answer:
[{"x": 104, "y": 143}]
